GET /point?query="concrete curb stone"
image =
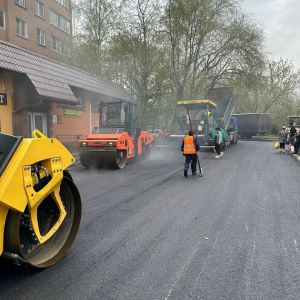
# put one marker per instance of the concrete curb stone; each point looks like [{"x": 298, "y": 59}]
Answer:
[{"x": 295, "y": 156}]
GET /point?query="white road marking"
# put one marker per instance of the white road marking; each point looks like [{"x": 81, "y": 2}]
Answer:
[
  {"x": 295, "y": 242},
  {"x": 251, "y": 263},
  {"x": 183, "y": 270}
]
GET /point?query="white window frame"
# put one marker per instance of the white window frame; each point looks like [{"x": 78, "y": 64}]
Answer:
[
  {"x": 32, "y": 116},
  {"x": 3, "y": 14},
  {"x": 64, "y": 3},
  {"x": 21, "y": 3},
  {"x": 64, "y": 49},
  {"x": 38, "y": 5},
  {"x": 60, "y": 22},
  {"x": 19, "y": 30},
  {"x": 38, "y": 37},
  {"x": 60, "y": 50}
]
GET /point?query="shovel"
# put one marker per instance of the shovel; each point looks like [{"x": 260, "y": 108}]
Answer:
[{"x": 190, "y": 121}]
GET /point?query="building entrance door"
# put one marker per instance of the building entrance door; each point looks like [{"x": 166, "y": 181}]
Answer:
[{"x": 36, "y": 121}]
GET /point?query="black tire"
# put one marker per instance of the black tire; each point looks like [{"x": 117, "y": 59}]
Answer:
[
  {"x": 18, "y": 238},
  {"x": 120, "y": 160}
]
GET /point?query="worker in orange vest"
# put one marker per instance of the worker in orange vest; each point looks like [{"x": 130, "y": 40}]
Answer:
[{"x": 190, "y": 146}]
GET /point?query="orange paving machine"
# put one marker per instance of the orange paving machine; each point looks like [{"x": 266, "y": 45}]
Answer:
[{"x": 117, "y": 139}]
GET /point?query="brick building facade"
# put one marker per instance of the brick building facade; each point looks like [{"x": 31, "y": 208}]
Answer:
[
  {"x": 37, "y": 89},
  {"x": 42, "y": 26},
  {"x": 41, "y": 93}
]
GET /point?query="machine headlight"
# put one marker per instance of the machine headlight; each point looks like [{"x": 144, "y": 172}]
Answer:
[
  {"x": 84, "y": 144},
  {"x": 110, "y": 143}
]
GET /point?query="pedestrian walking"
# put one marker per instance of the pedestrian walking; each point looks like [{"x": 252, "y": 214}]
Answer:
[
  {"x": 190, "y": 146},
  {"x": 218, "y": 142},
  {"x": 282, "y": 138},
  {"x": 293, "y": 132}
]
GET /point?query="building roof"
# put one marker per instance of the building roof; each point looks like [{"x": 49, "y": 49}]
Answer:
[{"x": 53, "y": 79}]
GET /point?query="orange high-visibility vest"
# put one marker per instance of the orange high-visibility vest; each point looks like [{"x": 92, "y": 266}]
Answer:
[{"x": 189, "y": 145}]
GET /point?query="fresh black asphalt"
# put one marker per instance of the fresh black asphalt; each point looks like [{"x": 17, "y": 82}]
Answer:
[{"x": 149, "y": 233}]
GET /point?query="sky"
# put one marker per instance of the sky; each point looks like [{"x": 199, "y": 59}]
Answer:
[{"x": 280, "y": 20}]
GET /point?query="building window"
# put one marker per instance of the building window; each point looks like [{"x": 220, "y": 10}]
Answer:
[
  {"x": 40, "y": 9},
  {"x": 59, "y": 46},
  {"x": 36, "y": 121},
  {"x": 21, "y": 2},
  {"x": 56, "y": 44},
  {"x": 64, "y": 3},
  {"x": 2, "y": 19},
  {"x": 60, "y": 22},
  {"x": 41, "y": 37},
  {"x": 22, "y": 29}
]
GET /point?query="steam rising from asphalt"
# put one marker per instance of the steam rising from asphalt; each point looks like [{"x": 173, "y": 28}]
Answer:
[
  {"x": 158, "y": 155},
  {"x": 163, "y": 154}
]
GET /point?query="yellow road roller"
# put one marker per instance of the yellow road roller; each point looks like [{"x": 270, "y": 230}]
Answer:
[{"x": 40, "y": 206}]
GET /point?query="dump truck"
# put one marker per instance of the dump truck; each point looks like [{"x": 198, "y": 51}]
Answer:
[
  {"x": 117, "y": 139},
  {"x": 252, "y": 124},
  {"x": 206, "y": 115},
  {"x": 40, "y": 206}
]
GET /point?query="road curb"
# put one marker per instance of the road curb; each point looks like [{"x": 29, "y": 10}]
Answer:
[
  {"x": 260, "y": 139},
  {"x": 295, "y": 156}
]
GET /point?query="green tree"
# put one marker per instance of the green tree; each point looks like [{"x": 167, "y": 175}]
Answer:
[
  {"x": 272, "y": 89},
  {"x": 209, "y": 41},
  {"x": 95, "y": 22},
  {"x": 163, "y": 50}
]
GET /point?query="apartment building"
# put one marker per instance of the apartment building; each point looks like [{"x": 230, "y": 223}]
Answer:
[
  {"x": 42, "y": 26},
  {"x": 38, "y": 90}
]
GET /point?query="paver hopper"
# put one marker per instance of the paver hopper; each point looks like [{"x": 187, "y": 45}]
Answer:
[{"x": 206, "y": 115}]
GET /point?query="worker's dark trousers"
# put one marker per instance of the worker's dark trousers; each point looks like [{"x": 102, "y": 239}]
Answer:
[
  {"x": 218, "y": 148},
  {"x": 190, "y": 158},
  {"x": 293, "y": 140},
  {"x": 297, "y": 146},
  {"x": 282, "y": 146}
]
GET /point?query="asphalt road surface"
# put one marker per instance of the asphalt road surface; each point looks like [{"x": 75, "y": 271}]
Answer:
[{"x": 149, "y": 233}]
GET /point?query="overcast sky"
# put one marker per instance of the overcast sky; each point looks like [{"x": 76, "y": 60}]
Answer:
[{"x": 281, "y": 22}]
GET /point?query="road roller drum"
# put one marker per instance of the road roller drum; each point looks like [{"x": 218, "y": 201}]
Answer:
[{"x": 40, "y": 206}]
